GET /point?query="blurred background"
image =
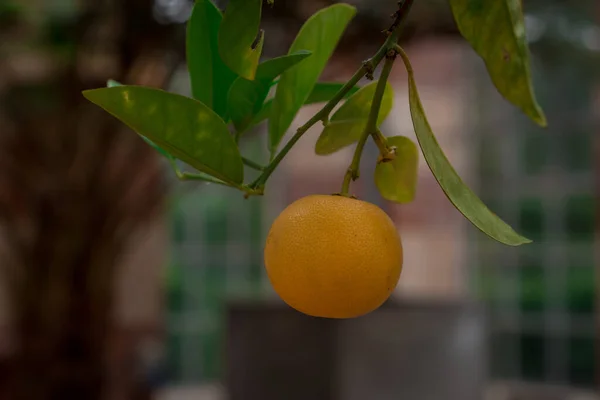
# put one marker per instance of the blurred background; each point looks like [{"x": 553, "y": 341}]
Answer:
[{"x": 117, "y": 282}]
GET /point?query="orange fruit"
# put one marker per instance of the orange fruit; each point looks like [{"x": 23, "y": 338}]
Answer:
[{"x": 333, "y": 256}]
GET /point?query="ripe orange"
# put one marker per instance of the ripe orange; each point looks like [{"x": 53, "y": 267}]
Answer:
[{"x": 333, "y": 256}]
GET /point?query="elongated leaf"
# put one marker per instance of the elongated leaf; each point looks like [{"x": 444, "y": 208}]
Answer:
[
  {"x": 322, "y": 92},
  {"x": 496, "y": 30},
  {"x": 358, "y": 106},
  {"x": 320, "y": 34},
  {"x": 457, "y": 191},
  {"x": 339, "y": 134},
  {"x": 349, "y": 121},
  {"x": 237, "y": 37},
  {"x": 397, "y": 179},
  {"x": 210, "y": 77},
  {"x": 246, "y": 97},
  {"x": 185, "y": 128},
  {"x": 112, "y": 83},
  {"x": 271, "y": 69}
]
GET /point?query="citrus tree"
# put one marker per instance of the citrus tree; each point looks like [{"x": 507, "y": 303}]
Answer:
[{"x": 233, "y": 90}]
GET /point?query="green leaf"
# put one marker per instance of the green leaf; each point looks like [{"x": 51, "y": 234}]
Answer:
[
  {"x": 239, "y": 46},
  {"x": 339, "y": 134},
  {"x": 321, "y": 93},
  {"x": 397, "y": 179},
  {"x": 324, "y": 91},
  {"x": 187, "y": 129},
  {"x": 246, "y": 97},
  {"x": 456, "y": 190},
  {"x": 496, "y": 31},
  {"x": 271, "y": 69},
  {"x": 210, "y": 77},
  {"x": 358, "y": 106},
  {"x": 320, "y": 34},
  {"x": 112, "y": 83},
  {"x": 350, "y": 120}
]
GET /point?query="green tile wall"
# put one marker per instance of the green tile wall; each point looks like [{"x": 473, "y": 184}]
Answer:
[{"x": 541, "y": 296}]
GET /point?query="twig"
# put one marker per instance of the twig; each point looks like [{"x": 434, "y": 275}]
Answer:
[
  {"x": 353, "y": 171},
  {"x": 365, "y": 70}
]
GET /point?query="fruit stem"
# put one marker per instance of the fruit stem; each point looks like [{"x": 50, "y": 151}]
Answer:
[
  {"x": 371, "y": 129},
  {"x": 366, "y": 69}
]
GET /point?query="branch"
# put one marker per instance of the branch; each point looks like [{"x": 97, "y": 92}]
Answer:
[
  {"x": 371, "y": 128},
  {"x": 323, "y": 115},
  {"x": 400, "y": 15}
]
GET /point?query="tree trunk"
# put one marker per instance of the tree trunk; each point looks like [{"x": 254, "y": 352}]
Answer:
[
  {"x": 74, "y": 187},
  {"x": 77, "y": 212}
]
